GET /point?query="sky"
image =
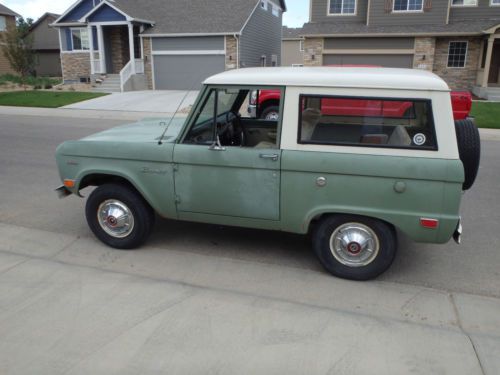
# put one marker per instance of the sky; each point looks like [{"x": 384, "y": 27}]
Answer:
[{"x": 297, "y": 14}]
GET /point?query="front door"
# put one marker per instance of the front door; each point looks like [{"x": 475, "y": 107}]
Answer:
[{"x": 218, "y": 171}]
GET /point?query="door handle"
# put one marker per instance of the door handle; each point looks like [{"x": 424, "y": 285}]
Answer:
[{"x": 273, "y": 157}]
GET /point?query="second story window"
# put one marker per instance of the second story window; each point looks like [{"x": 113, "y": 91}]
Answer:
[
  {"x": 463, "y": 3},
  {"x": 342, "y": 7},
  {"x": 408, "y": 5}
]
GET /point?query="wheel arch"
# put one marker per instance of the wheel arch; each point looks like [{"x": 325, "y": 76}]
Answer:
[{"x": 268, "y": 103}]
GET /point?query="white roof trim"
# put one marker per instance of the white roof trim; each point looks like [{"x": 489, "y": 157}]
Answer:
[
  {"x": 67, "y": 11},
  {"x": 65, "y": 24},
  {"x": 248, "y": 19}
]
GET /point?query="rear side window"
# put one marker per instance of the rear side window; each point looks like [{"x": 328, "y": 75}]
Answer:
[{"x": 367, "y": 122}]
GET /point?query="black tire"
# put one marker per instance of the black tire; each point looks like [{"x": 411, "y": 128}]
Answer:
[
  {"x": 469, "y": 149},
  {"x": 270, "y": 110},
  {"x": 380, "y": 261},
  {"x": 142, "y": 213}
]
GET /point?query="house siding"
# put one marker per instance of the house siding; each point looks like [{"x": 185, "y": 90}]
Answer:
[
  {"x": 105, "y": 14},
  {"x": 261, "y": 36},
  {"x": 319, "y": 12},
  {"x": 79, "y": 11},
  {"x": 436, "y": 15},
  {"x": 482, "y": 10},
  {"x": 291, "y": 53},
  {"x": 44, "y": 36},
  {"x": 4, "y": 62}
]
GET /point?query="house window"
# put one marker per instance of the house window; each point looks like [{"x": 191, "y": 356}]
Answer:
[
  {"x": 463, "y": 3},
  {"x": 301, "y": 46},
  {"x": 276, "y": 11},
  {"x": 3, "y": 23},
  {"x": 263, "y": 4},
  {"x": 457, "y": 54},
  {"x": 342, "y": 7},
  {"x": 80, "y": 39},
  {"x": 408, "y": 5},
  {"x": 495, "y": 2}
]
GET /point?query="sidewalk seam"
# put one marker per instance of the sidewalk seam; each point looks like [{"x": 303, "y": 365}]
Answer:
[{"x": 459, "y": 321}]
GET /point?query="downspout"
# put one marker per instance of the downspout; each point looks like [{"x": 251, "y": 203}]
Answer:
[
  {"x": 237, "y": 51},
  {"x": 368, "y": 13},
  {"x": 448, "y": 12}
]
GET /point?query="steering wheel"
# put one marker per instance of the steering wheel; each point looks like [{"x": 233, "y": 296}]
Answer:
[{"x": 223, "y": 127}]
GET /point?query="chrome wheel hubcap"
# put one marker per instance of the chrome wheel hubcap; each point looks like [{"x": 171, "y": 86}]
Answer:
[
  {"x": 354, "y": 244},
  {"x": 272, "y": 116},
  {"x": 115, "y": 218}
]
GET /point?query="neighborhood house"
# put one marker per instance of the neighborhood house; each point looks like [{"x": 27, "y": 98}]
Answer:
[
  {"x": 456, "y": 39},
  {"x": 153, "y": 44},
  {"x": 7, "y": 19}
]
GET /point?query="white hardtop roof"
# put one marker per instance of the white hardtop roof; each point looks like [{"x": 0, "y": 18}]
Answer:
[{"x": 350, "y": 77}]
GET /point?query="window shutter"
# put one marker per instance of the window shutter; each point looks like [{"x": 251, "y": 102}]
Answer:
[
  {"x": 427, "y": 5},
  {"x": 388, "y": 6}
]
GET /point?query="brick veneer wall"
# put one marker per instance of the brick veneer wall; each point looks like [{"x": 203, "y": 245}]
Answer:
[
  {"x": 457, "y": 78},
  {"x": 120, "y": 53},
  {"x": 313, "y": 47},
  {"x": 425, "y": 49},
  {"x": 148, "y": 67},
  {"x": 75, "y": 66},
  {"x": 231, "y": 52}
]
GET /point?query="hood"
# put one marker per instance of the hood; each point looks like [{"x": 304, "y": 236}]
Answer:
[{"x": 147, "y": 130}]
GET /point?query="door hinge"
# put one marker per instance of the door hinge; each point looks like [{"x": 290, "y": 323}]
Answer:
[{"x": 177, "y": 199}]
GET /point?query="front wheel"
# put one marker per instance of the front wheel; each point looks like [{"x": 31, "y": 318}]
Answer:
[
  {"x": 119, "y": 216},
  {"x": 354, "y": 247},
  {"x": 271, "y": 113}
]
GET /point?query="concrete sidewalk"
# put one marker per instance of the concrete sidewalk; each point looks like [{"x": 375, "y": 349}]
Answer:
[
  {"x": 72, "y": 306},
  {"x": 140, "y": 101}
]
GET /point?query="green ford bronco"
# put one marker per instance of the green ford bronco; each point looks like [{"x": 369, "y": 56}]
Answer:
[{"x": 357, "y": 156}]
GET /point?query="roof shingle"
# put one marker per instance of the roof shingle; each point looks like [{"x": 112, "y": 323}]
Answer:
[{"x": 7, "y": 12}]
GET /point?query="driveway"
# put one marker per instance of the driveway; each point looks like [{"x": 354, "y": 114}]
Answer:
[{"x": 141, "y": 101}]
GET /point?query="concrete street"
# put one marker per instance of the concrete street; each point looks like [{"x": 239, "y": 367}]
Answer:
[{"x": 204, "y": 299}]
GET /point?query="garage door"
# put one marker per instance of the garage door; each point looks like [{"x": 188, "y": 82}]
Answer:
[
  {"x": 185, "y": 72},
  {"x": 389, "y": 61}
]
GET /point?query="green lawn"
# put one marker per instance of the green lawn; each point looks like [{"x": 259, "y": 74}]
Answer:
[
  {"x": 45, "y": 99},
  {"x": 487, "y": 114}
]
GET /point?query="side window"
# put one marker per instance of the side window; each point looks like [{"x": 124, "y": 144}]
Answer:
[
  {"x": 243, "y": 117},
  {"x": 367, "y": 122}
]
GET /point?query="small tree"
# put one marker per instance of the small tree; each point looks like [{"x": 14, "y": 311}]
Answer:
[{"x": 18, "y": 49}]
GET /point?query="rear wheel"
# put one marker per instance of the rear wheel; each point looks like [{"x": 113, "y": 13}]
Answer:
[
  {"x": 354, "y": 247},
  {"x": 119, "y": 216},
  {"x": 469, "y": 149}
]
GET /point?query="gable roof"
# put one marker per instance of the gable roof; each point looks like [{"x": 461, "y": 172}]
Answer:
[
  {"x": 7, "y": 12},
  {"x": 176, "y": 17},
  {"x": 53, "y": 16},
  {"x": 291, "y": 33}
]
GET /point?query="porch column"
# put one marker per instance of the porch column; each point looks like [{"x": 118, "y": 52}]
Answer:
[
  {"x": 91, "y": 49},
  {"x": 487, "y": 64},
  {"x": 102, "y": 55},
  {"x": 131, "y": 46}
]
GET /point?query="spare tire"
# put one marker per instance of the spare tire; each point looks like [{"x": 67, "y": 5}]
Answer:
[{"x": 469, "y": 149}]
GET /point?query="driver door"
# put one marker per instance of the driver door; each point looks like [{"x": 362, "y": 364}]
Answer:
[{"x": 217, "y": 179}]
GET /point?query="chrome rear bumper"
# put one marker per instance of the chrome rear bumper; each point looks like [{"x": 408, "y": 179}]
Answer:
[{"x": 457, "y": 236}]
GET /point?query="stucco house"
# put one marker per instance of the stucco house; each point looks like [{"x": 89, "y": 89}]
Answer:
[
  {"x": 173, "y": 45},
  {"x": 46, "y": 46},
  {"x": 292, "y": 47},
  {"x": 457, "y": 39},
  {"x": 7, "y": 19}
]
